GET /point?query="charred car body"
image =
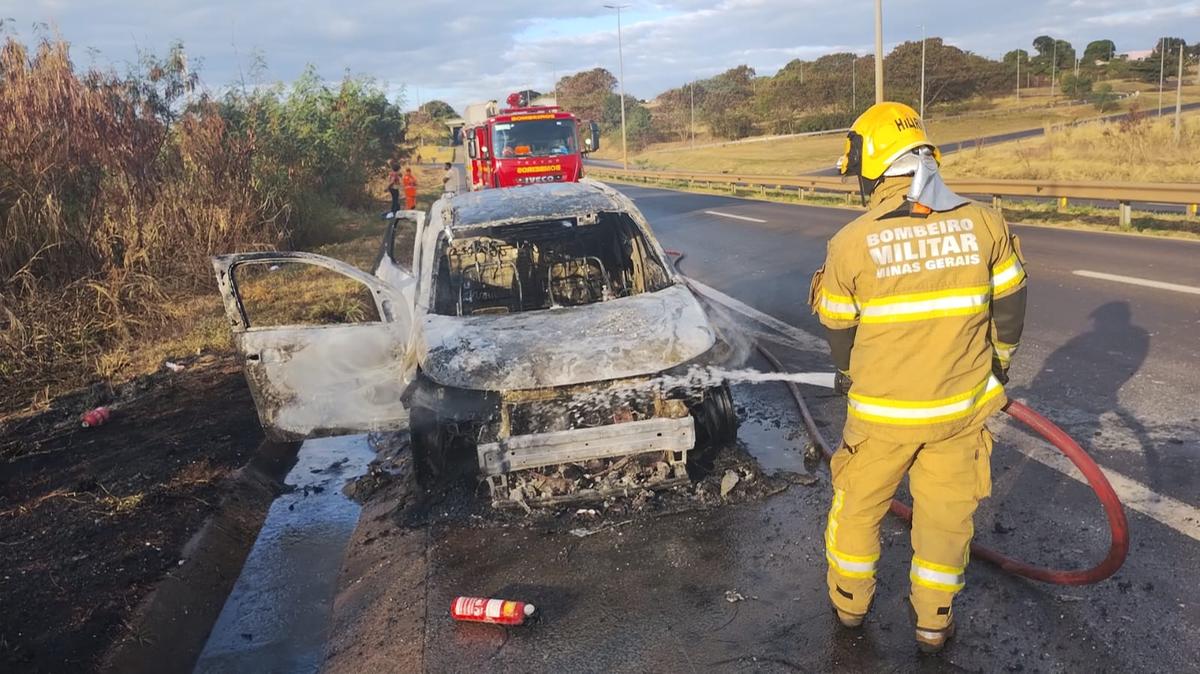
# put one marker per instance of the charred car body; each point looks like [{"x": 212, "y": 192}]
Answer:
[{"x": 535, "y": 327}]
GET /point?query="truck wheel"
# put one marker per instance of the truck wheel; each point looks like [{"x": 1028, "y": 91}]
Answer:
[{"x": 716, "y": 425}]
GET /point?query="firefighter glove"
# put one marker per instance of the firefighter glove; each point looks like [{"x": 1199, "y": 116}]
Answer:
[{"x": 842, "y": 383}]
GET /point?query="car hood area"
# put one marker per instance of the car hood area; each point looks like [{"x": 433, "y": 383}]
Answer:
[{"x": 626, "y": 337}]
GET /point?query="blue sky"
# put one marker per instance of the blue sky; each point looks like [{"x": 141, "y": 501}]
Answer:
[{"x": 466, "y": 51}]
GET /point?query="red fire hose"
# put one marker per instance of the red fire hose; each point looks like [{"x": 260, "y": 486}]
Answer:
[{"x": 1113, "y": 510}]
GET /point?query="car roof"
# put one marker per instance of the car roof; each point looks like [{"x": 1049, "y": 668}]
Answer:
[{"x": 530, "y": 202}]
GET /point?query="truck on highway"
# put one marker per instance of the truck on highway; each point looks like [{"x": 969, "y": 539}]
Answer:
[{"x": 525, "y": 144}]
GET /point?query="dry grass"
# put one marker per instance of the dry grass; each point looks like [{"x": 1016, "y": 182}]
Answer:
[
  {"x": 796, "y": 156},
  {"x": 1136, "y": 150},
  {"x": 311, "y": 296}
]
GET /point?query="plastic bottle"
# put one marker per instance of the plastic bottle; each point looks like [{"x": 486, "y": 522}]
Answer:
[
  {"x": 497, "y": 611},
  {"x": 96, "y": 417}
]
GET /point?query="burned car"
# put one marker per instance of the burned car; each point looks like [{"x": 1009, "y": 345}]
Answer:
[{"x": 535, "y": 327}]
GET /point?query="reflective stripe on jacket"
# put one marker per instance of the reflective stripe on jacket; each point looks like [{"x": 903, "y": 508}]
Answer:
[{"x": 919, "y": 291}]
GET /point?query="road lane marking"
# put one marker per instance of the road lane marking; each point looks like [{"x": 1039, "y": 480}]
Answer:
[
  {"x": 1134, "y": 281},
  {"x": 735, "y": 217},
  {"x": 1136, "y": 496}
]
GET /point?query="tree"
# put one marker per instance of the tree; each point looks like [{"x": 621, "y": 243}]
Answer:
[
  {"x": 1104, "y": 99},
  {"x": 586, "y": 93},
  {"x": 438, "y": 109},
  {"x": 1148, "y": 68},
  {"x": 1050, "y": 49},
  {"x": 727, "y": 102},
  {"x": 951, "y": 74},
  {"x": 1099, "y": 51},
  {"x": 1076, "y": 86},
  {"x": 638, "y": 130},
  {"x": 672, "y": 116}
]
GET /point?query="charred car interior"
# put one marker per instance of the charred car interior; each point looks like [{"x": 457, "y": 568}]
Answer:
[
  {"x": 544, "y": 264},
  {"x": 538, "y": 332}
]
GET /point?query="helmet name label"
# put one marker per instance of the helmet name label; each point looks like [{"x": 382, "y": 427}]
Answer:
[{"x": 903, "y": 123}]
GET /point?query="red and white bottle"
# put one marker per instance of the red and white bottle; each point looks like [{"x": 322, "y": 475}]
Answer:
[
  {"x": 496, "y": 611},
  {"x": 96, "y": 417}
]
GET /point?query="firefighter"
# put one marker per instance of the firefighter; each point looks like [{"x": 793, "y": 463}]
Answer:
[
  {"x": 410, "y": 189},
  {"x": 923, "y": 300}
]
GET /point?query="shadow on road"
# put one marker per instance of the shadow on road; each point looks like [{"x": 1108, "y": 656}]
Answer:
[{"x": 1112, "y": 351}]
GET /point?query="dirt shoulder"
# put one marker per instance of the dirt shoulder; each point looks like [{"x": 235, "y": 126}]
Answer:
[{"x": 92, "y": 518}]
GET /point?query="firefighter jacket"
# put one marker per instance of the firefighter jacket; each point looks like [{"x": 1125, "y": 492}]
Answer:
[{"x": 920, "y": 309}]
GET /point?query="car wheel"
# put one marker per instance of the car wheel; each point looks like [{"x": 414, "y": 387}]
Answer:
[
  {"x": 716, "y": 424},
  {"x": 428, "y": 442}
]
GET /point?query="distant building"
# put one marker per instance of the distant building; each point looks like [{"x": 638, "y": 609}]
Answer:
[{"x": 1138, "y": 55}]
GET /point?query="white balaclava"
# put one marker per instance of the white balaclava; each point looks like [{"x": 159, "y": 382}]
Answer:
[{"x": 928, "y": 188}]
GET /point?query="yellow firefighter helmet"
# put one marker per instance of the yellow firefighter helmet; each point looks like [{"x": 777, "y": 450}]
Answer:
[{"x": 880, "y": 136}]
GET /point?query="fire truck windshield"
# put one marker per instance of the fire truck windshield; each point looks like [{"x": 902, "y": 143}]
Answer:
[{"x": 535, "y": 138}]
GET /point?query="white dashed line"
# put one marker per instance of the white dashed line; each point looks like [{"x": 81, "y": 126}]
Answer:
[
  {"x": 1136, "y": 496},
  {"x": 735, "y": 217},
  {"x": 1134, "y": 281}
]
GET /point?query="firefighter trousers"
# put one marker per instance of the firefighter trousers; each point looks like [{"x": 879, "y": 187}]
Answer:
[{"x": 947, "y": 480}]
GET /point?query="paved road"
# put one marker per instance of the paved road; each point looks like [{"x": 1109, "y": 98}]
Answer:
[{"x": 1114, "y": 363}]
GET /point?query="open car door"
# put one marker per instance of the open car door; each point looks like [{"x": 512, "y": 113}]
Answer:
[{"x": 317, "y": 367}]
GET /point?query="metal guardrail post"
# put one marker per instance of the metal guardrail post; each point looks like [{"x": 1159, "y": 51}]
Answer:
[
  {"x": 1126, "y": 210},
  {"x": 997, "y": 202}
]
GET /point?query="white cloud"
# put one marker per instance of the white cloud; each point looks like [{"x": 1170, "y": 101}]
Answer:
[{"x": 474, "y": 49}]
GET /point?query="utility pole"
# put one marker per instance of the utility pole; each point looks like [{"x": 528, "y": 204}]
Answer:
[
  {"x": 802, "y": 73},
  {"x": 1019, "y": 53},
  {"x": 853, "y": 84},
  {"x": 621, "y": 71},
  {"x": 922, "y": 71},
  {"x": 1162, "y": 56},
  {"x": 692, "y": 126},
  {"x": 1179, "y": 98},
  {"x": 878, "y": 51},
  {"x": 1053, "y": 68}
]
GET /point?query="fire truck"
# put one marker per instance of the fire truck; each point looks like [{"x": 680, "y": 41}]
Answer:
[{"x": 525, "y": 144}]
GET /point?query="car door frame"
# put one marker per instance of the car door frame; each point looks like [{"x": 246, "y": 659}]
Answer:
[{"x": 366, "y": 394}]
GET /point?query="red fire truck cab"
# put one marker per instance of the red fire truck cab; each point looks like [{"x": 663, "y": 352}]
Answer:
[{"x": 523, "y": 145}]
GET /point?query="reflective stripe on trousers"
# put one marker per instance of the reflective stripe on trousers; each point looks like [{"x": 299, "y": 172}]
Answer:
[
  {"x": 851, "y": 566},
  {"x": 937, "y": 576}
]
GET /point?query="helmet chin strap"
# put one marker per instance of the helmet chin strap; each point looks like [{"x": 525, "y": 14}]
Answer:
[{"x": 866, "y": 187}]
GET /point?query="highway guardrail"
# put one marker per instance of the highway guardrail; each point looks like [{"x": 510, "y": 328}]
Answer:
[{"x": 1123, "y": 194}]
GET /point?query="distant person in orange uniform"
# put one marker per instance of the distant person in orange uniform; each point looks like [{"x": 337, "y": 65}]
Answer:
[{"x": 410, "y": 189}]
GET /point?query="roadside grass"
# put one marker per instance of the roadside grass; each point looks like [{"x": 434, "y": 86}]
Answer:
[
  {"x": 195, "y": 321},
  {"x": 1015, "y": 211},
  {"x": 1142, "y": 150}
]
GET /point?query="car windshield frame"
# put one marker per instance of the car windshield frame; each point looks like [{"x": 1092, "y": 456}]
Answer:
[
  {"x": 537, "y": 136},
  {"x": 656, "y": 272}
]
